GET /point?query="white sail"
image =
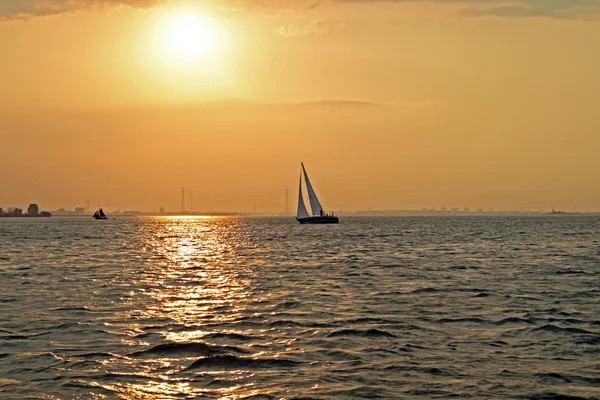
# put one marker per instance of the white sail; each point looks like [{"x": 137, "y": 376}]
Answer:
[
  {"x": 312, "y": 196},
  {"x": 302, "y": 213}
]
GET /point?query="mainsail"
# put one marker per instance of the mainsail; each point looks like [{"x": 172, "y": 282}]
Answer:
[
  {"x": 99, "y": 214},
  {"x": 312, "y": 196},
  {"x": 302, "y": 213}
]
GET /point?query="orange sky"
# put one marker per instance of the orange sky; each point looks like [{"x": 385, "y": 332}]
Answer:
[{"x": 391, "y": 105}]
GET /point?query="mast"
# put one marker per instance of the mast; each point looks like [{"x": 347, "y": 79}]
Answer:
[
  {"x": 315, "y": 206},
  {"x": 301, "y": 213}
]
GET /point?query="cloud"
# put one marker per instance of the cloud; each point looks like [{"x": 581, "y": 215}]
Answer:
[
  {"x": 561, "y": 9},
  {"x": 24, "y": 9},
  {"x": 315, "y": 28},
  {"x": 347, "y": 103},
  {"x": 558, "y": 9},
  {"x": 336, "y": 102}
]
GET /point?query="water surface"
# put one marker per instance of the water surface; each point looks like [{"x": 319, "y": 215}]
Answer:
[{"x": 402, "y": 308}]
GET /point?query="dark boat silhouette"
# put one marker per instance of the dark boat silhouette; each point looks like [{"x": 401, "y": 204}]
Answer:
[
  {"x": 319, "y": 216},
  {"x": 99, "y": 214}
]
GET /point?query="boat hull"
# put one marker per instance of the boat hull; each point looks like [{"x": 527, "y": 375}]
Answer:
[
  {"x": 100, "y": 217},
  {"x": 326, "y": 219}
]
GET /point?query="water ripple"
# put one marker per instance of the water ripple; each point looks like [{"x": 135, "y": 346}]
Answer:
[{"x": 155, "y": 308}]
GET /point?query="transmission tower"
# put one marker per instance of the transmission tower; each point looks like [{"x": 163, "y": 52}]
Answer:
[
  {"x": 182, "y": 200},
  {"x": 287, "y": 201}
]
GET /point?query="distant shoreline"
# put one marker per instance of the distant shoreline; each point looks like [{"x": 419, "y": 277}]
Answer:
[
  {"x": 372, "y": 214},
  {"x": 25, "y": 216}
]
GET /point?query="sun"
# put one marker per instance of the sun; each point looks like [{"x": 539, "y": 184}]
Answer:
[
  {"x": 191, "y": 37},
  {"x": 187, "y": 52}
]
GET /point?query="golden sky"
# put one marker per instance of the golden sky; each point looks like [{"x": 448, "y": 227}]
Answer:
[{"x": 391, "y": 105}]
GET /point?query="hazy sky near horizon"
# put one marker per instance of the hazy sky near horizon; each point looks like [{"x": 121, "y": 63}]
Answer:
[{"x": 391, "y": 105}]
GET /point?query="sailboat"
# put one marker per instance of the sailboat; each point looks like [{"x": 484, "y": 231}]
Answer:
[
  {"x": 99, "y": 214},
  {"x": 318, "y": 214}
]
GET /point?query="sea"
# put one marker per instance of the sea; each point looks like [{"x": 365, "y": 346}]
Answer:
[{"x": 481, "y": 307}]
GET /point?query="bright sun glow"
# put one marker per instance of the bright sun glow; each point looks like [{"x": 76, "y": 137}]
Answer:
[
  {"x": 190, "y": 37},
  {"x": 188, "y": 52}
]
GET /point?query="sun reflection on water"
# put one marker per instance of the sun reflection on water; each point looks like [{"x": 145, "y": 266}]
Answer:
[
  {"x": 199, "y": 279},
  {"x": 191, "y": 282}
]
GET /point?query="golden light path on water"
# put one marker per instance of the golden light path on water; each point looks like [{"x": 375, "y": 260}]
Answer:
[{"x": 192, "y": 279}]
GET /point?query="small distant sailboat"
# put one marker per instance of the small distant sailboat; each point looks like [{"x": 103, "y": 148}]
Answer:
[
  {"x": 318, "y": 214},
  {"x": 99, "y": 214}
]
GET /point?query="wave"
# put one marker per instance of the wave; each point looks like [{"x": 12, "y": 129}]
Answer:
[
  {"x": 567, "y": 320},
  {"x": 568, "y": 378},
  {"x": 554, "y": 396},
  {"x": 14, "y": 337},
  {"x": 514, "y": 320},
  {"x": 437, "y": 393},
  {"x": 365, "y": 392},
  {"x": 425, "y": 290},
  {"x": 61, "y": 326},
  {"x": 558, "y": 311},
  {"x": 465, "y": 319},
  {"x": 586, "y": 379},
  {"x": 304, "y": 398},
  {"x": 230, "y": 361},
  {"x": 8, "y": 300},
  {"x": 424, "y": 370},
  {"x": 593, "y": 340},
  {"x": 339, "y": 355},
  {"x": 433, "y": 290},
  {"x": 83, "y": 365},
  {"x": 286, "y": 305},
  {"x": 363, "y": 333},
  {"x": 570, "y": 272},
  {"x": 558, "y": 329},
  {"x": 553, "y": 376},
  {"x": 238, "y": 337},
  {"x": 49, "y": 356},
  {"x": 283, "y": 323},
  {"x": 146, "y": 335},
  {"x": 98, "y": 354},
  {"x": 80, "y": 384},
  {"x": 368, "y": 320},
  {"x": 192, "y": 348},
  {"x": 70, "y": 309}
]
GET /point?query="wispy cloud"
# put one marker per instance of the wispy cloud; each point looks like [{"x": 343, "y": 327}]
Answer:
[
  {"x": 335, "y": 102},
  {"x": 559, "y": 9},
  {"x": 562, "y": 9},
  {"x": 348, "y": 103},
  {"x": 24, "y": 9},
  {"x": 314, "y": 28}
]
